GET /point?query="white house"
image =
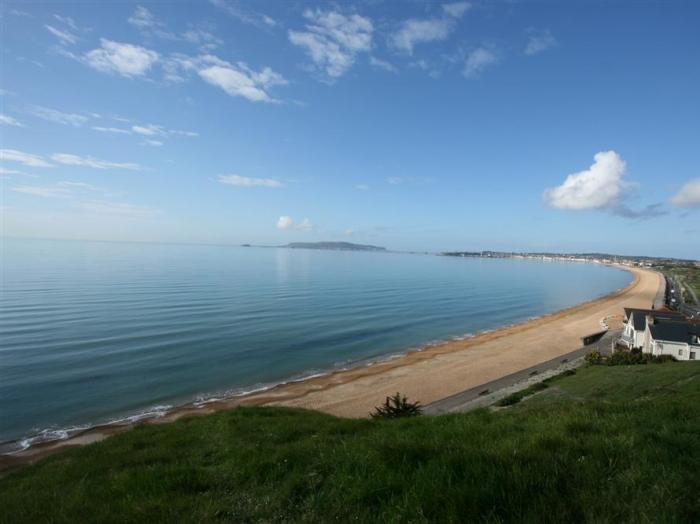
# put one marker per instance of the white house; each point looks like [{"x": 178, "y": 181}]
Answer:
[
  {"x": 681, "y": 340},
  {"x": 635, "y": 325}
]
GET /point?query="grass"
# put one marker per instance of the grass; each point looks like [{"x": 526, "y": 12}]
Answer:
[
  {"x": 607, "y": 444},
  {"x": 516, "y": 397},
  {"x": 688, "y": 276}
]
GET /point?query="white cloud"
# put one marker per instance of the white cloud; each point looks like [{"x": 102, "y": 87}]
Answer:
[
  {"x": 362, "y": 187},
  {"x": 75, "y": 160},
  {"x": 478, "y": 60},
  {"x": 382, "y": 64},
  {"x": 203, "y": 38},
  {"x": 414, "y": 32},
  {"x": 151, "y": 142},
  {"x": 245, "y": 15},
  {"x": 12, "y": 155},
  {"x": 148, "y": 24},
  {"x": 116, "y": 130},
  {"x": 59, "y": 117},
  {"x": 64, "y": 36},
  {"x": 240, "y": 80},
  {"x": 142, "y": 18},
  {"x": 235, "y": 79},
  {"x": 67, "y": 20},
  {"x": 43, "y": 191},
  {"x": 79, "y": 185},
  {"x": 119, "y": 209},
  {"x": 422, "y": 30},
  {"x": 286, "y": 222},
  {"x": 600, "y": 186},
  {"x": 243, "y": 181},
  {"x": 332, "y": 40},
  {"x": 539, "y": 41},
  {"x": 456, "y": 9},
  {"x": 689, "y": 195},
  {"x": 124, "y": 59},
  {"x": 10, "y": 121},
  {"x": 148, "y": 130},
  {"x": 305, "y": 224},
  {"x": 395, "y": 180}
]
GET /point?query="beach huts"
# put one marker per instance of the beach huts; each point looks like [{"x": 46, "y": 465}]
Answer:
[{"x": 660, "y": 333}]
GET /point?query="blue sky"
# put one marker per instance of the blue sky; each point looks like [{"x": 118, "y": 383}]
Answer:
[{"x": 563, "y": 126}]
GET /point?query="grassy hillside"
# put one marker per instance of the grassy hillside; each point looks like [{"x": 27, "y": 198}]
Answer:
[{"x": 608, "y": 444}]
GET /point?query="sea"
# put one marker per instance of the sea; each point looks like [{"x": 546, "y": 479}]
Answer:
[{"x": 97, "y": 332}]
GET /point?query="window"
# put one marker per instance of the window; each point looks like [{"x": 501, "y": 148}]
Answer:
[{"x": 680, "y": 352}]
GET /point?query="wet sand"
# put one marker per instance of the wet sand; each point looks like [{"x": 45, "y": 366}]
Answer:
[{"x": 429, "y": 375}]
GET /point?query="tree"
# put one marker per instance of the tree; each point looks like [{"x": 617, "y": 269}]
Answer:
[{"x": 397, "y": 406}]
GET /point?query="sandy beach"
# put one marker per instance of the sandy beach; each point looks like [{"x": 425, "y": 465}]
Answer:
[
  {"x": 449, "y": 368},
  {"x": 427, "y": 376}
]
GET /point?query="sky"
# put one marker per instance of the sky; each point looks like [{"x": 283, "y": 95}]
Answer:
[{"x": 414, "y": 125}]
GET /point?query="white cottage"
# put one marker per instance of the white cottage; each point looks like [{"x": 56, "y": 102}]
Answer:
[
  {"x": 635, "y": 325},
  {"x": 680, "y": 340}
]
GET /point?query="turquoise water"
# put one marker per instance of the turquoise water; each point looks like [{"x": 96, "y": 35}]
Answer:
[{"x": 93, "y": 331}]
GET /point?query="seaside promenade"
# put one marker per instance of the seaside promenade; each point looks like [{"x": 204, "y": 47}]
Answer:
[{"x": 454, "y": 367}]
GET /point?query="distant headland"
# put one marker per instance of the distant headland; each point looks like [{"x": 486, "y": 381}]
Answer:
[
  {"x": 335, "y": 246},
  {"x": 330, "y": 246}
]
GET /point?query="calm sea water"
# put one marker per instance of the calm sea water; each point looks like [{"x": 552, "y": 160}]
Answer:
[{"x": 92, "y": 331}]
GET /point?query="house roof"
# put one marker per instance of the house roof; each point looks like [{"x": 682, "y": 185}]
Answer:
[
  {"x": 674, "y": 332},
  {"x": 639, "y": 316},
  {"x": 639, "y": 321},
  {"x": 653, "y": 312}
]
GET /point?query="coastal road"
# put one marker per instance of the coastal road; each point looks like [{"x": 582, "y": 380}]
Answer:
[{"x": 465, "y": 400}]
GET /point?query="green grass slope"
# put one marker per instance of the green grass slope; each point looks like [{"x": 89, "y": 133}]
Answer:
[{"x": 608, "y": 444}]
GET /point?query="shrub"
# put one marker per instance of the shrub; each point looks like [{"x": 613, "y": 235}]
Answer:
[
  {"x": 397, "y": 406},
  {"x": 631, "y": 358},
  {"x": 594, "y": 357}
]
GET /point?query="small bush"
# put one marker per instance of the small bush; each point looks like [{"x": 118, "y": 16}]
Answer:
[
  {"x": 635, "y": 357},
  {"x": 594, "y": 357},
  {"x": 397, "y": 406}
]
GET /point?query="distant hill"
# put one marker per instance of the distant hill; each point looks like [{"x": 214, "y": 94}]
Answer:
[{"x": 335, "y": 246}]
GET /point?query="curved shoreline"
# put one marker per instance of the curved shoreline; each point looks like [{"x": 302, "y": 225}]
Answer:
[{"x": 354, "y": 391}]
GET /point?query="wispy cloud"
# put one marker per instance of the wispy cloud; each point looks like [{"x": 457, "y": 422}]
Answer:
[
  {"x": 119, "y": 209},
  {"x": 539, "y": 41},
  {"x": 79, "y": 161},
  {"x": 378, "y": 63},
  {"x": 203, "y": 38},
  {"x": 149, "y": 25},
  {"x": 688, "y": 195},
  {"x": 59, "y": 117},
  {"x": 154, "y": 143},
  {"x": 116, "y": 130},
  {"x": 27, "y": 159},
  {"x": 478, "y": 60},
  {"x": 362, "y": 187},
  {"x": 243, "y": 14},
  {"x": 422, "y": 30},
  {"x": 235, "y": 79},
  {"x": 243, "y": 181},
  {"x": 9, "y": 121},
  {"x": 286, "y": 222},
  {"x": 65, "y": 37},
  {"x": 43, "y": 191},
  {"x": 395, "y": 180},
  {"x": 143, "y": 18},
  {"x": 332, "y": 39},
  {"x": 119, "y": 58}
]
